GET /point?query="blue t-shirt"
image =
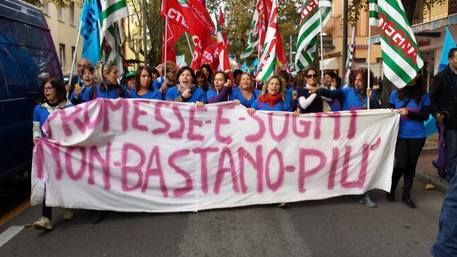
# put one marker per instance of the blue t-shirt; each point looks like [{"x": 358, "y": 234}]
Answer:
[
  {"x": 42, "y": 112},
  {"x": 149, "y": 95},
  {"x": 197, "y": 96},
  {"x": 236, "y": 94},
  {"x": 157, "y": 83},
  {"x": 352, "y": 100},
  {"x": 288, "y": 97},
  {"x": 279, "y": 106},
  {"x": 111, "y": 93},
  {"x": 410, "y": 128}
]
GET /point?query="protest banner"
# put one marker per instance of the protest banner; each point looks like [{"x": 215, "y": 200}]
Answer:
[{"x": 154, "y": 156}]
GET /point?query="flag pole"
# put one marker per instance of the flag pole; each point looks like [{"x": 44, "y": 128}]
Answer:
[
  {"x": 322, "y": 45},
  {"x": 369, "y": 63},
  {"x": 75, "y": 53},
  {"x": 166, "y": 44},
  {"x": 190, "y": 48}
]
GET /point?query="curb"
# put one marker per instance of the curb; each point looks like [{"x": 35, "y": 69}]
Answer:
[{"x": 440, "y": 184}]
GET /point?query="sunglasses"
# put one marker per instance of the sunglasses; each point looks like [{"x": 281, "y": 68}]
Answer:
[{"x": 311, "y": 76}]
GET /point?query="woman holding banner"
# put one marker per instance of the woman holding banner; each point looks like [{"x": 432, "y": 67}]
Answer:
[
  {"x": 272, "y": 97},
  {"x": 221, "y": 89},
  {"x": 54, "y": 99},
  {"x": 355, "y": 98},
  {"x": 245, "y": 93},
  {"x": 186, "y": 90},
  {"x": 106, "y": 74},
  {"x": 308, "y": 102},
  {"x": 143, "y": 85},
  {"x": 413, "y": 104}
]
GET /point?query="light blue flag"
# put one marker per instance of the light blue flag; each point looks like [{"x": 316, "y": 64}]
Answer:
[
  {"x": 90, "y": 31},
  {"x": 245, "y": 67},
  {"x": 447, "y": 46},
  {"x": 253, "y": 66}
]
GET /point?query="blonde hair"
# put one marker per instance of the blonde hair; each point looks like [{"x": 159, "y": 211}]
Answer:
[
  {"x": 265, "y": 86},
  {"x": 101, "y": 69}
]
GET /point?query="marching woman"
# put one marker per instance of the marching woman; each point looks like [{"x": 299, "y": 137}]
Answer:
[
  {"x": 354, "y": 98},
  {"x": 221, "y": 89},
  {"x": 201, "y": 80},
  {"x": 186, "y": 90},
  {"x": 245, "y": 93},
  {"x": 309, "y": 102},
  {"x": 413, "y": 104},
  {"x": 106, "y": 74},
  {"x": 143, "y": 85},
  {"x": 272, "y": 97},
  {"x": 54, "y": 99},
  {"x": 87, "y": 82}
]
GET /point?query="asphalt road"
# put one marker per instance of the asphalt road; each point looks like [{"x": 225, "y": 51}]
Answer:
[{"x": 339, "y": 227}]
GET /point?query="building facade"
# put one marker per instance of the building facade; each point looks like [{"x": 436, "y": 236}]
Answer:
[{"x": 64, "y": 25}]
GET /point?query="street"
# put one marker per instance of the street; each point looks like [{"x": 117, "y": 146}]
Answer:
[{"x": 334, "y": 227}]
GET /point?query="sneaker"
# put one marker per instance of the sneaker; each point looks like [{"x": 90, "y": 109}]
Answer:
[
  {"x": 282, "y": 205},
  {"x": 367, "y": 201},
  {"x": 68, "y": 214},
  {"x": 42, "y": 224}
]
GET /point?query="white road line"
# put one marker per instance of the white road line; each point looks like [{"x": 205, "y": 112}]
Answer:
[{"x": 8, "y": 234}]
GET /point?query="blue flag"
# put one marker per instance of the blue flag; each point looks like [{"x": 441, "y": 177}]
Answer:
[
  {"x": 245, "y": 67},
  {"x": 447, "y": 46},
  {"x": 90, "y": 31}
]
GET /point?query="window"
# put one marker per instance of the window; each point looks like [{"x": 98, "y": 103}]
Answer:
[
  {"x": 62, "y": 58},
  {"x": 72, "y": 14},
  {"x": 60, "y": 14}
]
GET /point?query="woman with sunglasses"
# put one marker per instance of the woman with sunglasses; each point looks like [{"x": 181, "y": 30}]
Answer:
[
  {"x": 355, "y": 98},
  {"x": 308, "y": 102},
  {"x": 143, "y": 85},
  {"x": 106, "y": 74},
  {"x": 221, "y": 89},
  {"x": 186, "y": 90},
  {"x": 54, "y": 98},
  {"x": 245, "y": 93}
]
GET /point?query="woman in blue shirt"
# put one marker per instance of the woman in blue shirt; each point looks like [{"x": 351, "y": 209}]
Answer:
[
  {"x": 413, "y": 104},
  {"x": 54, "y": 99},
  {"x": 106, "y": 74},
  {"x": 245, "y": 93},
  {"x": 143, "y": 85},
  {"x": 186, "y": 90},
  {"x": 221, "y": 88},
  {"x": 87, "y": 81},
  {"x": 272, "y": 97}
]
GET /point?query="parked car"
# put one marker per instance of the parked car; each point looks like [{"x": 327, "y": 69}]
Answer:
[{"x": 27, "y": 55}]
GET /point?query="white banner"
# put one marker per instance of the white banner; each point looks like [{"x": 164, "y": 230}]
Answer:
[{"x": 154, "y": 156}]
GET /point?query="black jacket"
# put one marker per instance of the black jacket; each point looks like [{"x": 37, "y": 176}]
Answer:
[
  {"x": 443, "y": 97},
  {"x": 315, "y": 106}
]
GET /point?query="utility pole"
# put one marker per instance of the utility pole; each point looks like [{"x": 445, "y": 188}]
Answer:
[{"x": 345, "y": 37}]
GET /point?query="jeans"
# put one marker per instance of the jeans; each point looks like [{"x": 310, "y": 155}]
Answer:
[
  {"x": 446, "y": 240},
  {"x": 450, "y": 140}
]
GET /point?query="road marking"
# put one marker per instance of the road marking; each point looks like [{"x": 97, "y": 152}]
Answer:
[
  {"x": 8, "y": 234},
  {"x": 13, "y": 213}
]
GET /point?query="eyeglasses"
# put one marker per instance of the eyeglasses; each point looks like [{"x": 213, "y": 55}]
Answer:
[{"x": 311, "y": 76}]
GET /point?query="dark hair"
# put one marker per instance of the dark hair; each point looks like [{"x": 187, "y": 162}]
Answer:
[
  {"x": 310, "y": 69},
  {"x": 208, "y": 68},
  {"x": 451, "y": 52},
  {"x": 330, "y": 73},
  {"x": 364, "y": 73},
  {"x": 154, "y": 71},
  {"x": 284, "y": 75},
  {"x": 237, "y": 72},
  {"x": 138, "y": 77},
  {"x": 415, "y": 91},
  {"x": 300, "y": 80},
  {"x": 90, "y": 68},
  {"x": 182, "y": 69},
  {"x": 59, "y": 85},
  {"x": 219, "y": 72},
  {"x": 200, "y": 74}
]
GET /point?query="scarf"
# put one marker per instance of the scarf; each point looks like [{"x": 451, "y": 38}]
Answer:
[{"x": 271, "y": 99}]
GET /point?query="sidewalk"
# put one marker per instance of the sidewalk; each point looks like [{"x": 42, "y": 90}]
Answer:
[{"x": 428, "y": 174}]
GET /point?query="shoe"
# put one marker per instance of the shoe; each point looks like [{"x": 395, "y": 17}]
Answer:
[
  {"x": 436, "y": 164},
  {"x": 68, "y": 214},
  {"x": 367, "y": 201},
  {"x": 282, "y": 205},
  {"x": 409, "y": 202},
  {"x": 390, "y": 197},
  {"x": 42, "y": 224}
]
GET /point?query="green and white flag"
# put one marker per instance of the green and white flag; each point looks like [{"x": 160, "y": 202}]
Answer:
[
  {"x": 400, "y": 54},
  {"x": 254, "y": 37},
  {"x": 267, "y": 63},
  {"x": 373, "y": 12},
  {"x": 309, "y": 29},
  {"x": 111, "y": 31}
]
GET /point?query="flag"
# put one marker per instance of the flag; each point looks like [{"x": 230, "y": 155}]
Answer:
[
  {"x": 373, "y": 12},
  {"x": 245, "y": 67},
  {"x": 448, "y": 44},
  {"x": 350, "y": 58},
  {"x": 309, "y": 29},
  {"x": 175, "y": 26},
  {"x": 111, "y": 29},
  {"x": 224, "y": 63},
  {"x": 267, "y": 63},
  {"x": 90, "y": 31},
  {"x": 257, "y": 32},
  {"x": 181, "y": 61},
  {"x": 400, "y": 55}
]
